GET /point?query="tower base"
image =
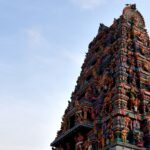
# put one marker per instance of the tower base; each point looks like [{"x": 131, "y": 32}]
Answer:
[{"x": 123, "y": 146}]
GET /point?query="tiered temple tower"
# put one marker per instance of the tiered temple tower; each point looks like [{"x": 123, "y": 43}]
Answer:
[{"x": 110, "y": 106}]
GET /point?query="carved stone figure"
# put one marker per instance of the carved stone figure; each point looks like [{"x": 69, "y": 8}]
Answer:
[
  {"x": 85, "y": 111},
  {"x": 124, "y": 135},
  {"x": 146, "y": 66},
  {"x": 110, "y": 103},
  {"x": 127, "y": 121},
  {"x": 89, "y": 93},
  {"x": 79, "y": 112},
  {"x": 148, "y": 107},
  {"x": 87, "y": 145},
  {"x": 64, "y": 124},
  {"x": 111, "y": 136},
  {"x": 60, "y": 148},
  {"x": 135, "y": 104},
  {"x": 138, "y": 138},
  {"x": 134, "y": 100},
  {"x": 101, "y": 139},
  {"x": 136, "y": 125},
  {"x": 79, "y": 142}
]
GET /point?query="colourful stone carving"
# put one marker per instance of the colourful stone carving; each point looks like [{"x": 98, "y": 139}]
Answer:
[
  {"x": 79, "y": 142},
  {"x": 111, "y": 101},
  {"x": 124, "y": 135}
]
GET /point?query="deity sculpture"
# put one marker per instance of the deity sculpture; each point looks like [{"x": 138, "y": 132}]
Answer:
[
  {"x": 134, "y": 100},
  {"x": 60, "y": 148},
  {"x": 79, "y": 112},
  {"x": 111, "y": 136},
  {"x": 79, "y": 142},
  {"x": 88, "y": 93},
  {"x": 101, "y": 139},
  {"x": 64, "y": 124},
  {"x": 87, "y": 145},
  {"x": 127, "y": 121},
  {"x": 110, "y": 105},
  {"x": 135, "y": 103},
  {"x": 138, "y": 139},
  {"x": 124, "y": 135},
  {"x": 85, "y": 111},
  {"x": 146, "y": 66},
  {"x": 148, "y": 107}
]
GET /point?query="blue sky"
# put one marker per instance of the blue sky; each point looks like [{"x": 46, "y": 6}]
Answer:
[{"x": 42, "y": 48}]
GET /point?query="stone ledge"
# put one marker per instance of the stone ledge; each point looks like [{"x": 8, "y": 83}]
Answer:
[
  {"x": 123, "y": 146},
  {"x": 68, "y": 133}
]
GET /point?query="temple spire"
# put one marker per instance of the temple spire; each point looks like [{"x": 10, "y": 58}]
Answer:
[{"x": 110, "y": 106}]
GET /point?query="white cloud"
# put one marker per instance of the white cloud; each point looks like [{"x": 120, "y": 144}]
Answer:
[
  {"x": 88, "y": 4},
  {"x": 35, "y": 38},
  {"x": 34, "y": 35},
  {"x": 74, "y": 57}
]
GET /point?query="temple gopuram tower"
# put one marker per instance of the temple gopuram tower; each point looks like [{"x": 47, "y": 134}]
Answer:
[{"x": 110, "y": 106}]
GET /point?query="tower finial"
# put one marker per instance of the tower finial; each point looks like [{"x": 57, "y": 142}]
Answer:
[{"x": 132, "y": 6}]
